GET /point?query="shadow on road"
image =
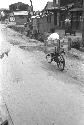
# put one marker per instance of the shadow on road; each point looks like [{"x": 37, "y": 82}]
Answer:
[{"x": 32, "y": 48}]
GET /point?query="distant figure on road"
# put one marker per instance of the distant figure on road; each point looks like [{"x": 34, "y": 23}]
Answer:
[
  {"x": 68, "y": 27},
  {"x": 67, "y": 23}
]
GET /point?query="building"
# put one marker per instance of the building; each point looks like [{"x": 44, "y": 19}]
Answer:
[
  {"x": 19, "y": 13},
  {"x": 76, "y": 15},
  {"x": 53, "y": 7},
  {"x": 70, "y": 9},
  {"x": 19, "y": 17},
  {"x": 48, "y": 19},
  {"x": 52, "y": 10},
  {"x": 44, "y": 21},
  {"x": 73, "y": 10}
]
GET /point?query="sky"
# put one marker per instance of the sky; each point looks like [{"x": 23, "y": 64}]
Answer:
[{"x": 37, "y": 4}]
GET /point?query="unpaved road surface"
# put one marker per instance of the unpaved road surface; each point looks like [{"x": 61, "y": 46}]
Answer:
[{"x": 36, "y": 92}]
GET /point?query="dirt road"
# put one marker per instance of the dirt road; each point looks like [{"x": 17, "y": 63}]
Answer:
[{"x": 35, "y": 92}]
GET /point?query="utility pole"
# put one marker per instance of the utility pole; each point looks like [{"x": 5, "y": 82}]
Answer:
[
  {"x": 83, "y": 26},
  {"x": 31, "y": 5}
]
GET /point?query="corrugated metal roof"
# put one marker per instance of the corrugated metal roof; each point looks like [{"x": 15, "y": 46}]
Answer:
[
  {"x": 20, "y": 13},
  {"x": 49, "y": 5}
]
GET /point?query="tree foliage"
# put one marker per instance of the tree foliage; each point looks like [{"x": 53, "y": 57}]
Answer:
[{"x": 19, "y": 6}]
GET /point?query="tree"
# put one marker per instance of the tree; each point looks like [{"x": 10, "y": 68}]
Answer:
[
  {"x": 18, "y": 6},
  {"x": 4, "y": 14}
]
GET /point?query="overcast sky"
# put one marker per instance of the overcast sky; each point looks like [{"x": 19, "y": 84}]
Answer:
[{"x": 37, "y": 4}]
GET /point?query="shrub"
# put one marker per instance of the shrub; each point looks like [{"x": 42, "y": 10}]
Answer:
[
  {"x": 76, "y": 43},
  {"x": 17, "y": 28}
]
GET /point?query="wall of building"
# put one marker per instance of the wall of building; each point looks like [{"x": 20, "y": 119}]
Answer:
[
  {"x": 77, "y": 20},
  {"x": 46, "y": 24},
  {"x": 20, "y": 20}
]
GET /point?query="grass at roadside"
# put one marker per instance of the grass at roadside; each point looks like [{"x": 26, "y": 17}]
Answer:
[{"x": 19, "y": 29}]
